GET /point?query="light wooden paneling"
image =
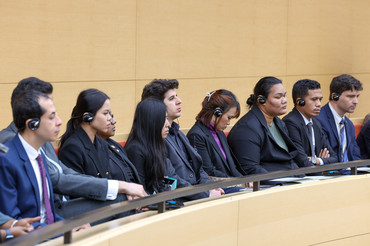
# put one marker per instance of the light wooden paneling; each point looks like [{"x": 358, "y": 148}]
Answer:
[
  {"x": 68, "y": 40},
  {"x": 202, "y": 39}
]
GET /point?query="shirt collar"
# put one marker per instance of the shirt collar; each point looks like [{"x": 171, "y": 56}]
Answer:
[
  {"x": 212, "y": 127},
  {"x": 174, "y": 128},
  {"x": 306, "y": 121},
  {"x": 31, "y": 152},
  {"x": 337, "y": 118}
]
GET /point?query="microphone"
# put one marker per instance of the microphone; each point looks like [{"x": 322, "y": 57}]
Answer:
[{"x": 3, "y": 149}]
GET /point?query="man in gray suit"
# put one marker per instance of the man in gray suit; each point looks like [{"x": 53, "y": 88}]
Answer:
[{"x": 93, "y": 192}]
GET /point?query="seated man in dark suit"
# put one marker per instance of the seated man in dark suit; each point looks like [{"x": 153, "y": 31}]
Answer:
[
  {"x": 187, "y": 163},
  {"x": 96, "y": 192},
  {"x": 304, "y": 130},
  {"x": 363, "y": 138},
  {"x": 25, "y": 181},
  {"x": 344, "y": 93}
]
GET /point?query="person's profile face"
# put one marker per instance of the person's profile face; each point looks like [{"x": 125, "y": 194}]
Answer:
[
  {"x": 312, "y": 104},
  {"x": 165, "y": 129},
  {"x": 348, "y": 101},
  {"x": 49, "y": 122},
  {"x": 224, "y": 119},
  {"x": 276, "y": 102},
  {"x": 173, "y": 104},
  {"x": 102, "y": 119}
]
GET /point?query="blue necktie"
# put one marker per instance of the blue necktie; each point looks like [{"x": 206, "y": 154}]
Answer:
[{"x": 344, "y": 157}]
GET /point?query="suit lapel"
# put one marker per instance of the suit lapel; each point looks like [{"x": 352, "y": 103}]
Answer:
[
  {"x": 214, "y": 144},
  {"x": 331, "y": 121},
  {"x": 179, "y": 153},
  {"x": 28, "y": 169}
]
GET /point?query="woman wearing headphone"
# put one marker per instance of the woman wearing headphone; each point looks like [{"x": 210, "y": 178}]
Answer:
[
  {"x": 208, "y": 138},
  {"x": 145, "y": 146},
  {"x": 80, "y": 148},
  {"x": 260, "y": 139}
]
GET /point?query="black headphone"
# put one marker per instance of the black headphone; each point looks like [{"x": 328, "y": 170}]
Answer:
[
  {"x": 87, "y": 117},
  {"x": 218, "y": 112},
  {"x": 34, "y": 123},
  {"x": 261, "y": 99},
  {"x": 335, "y": 96},
  {"x": 301, "y": 102}
]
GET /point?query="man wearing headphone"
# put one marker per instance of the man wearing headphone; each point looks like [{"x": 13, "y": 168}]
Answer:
[
  {"x": 306, "y": 131},
  {"x": 344, "y": 93}
]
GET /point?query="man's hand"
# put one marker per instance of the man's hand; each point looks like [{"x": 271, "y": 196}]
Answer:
[
  {"x": 216, "y": 192},
  {"x": 132, "y": 190},
  {"x": 27, "y": 222},
  {"x": 83, "y": 227},
  {"x": 324, "y": 153}
]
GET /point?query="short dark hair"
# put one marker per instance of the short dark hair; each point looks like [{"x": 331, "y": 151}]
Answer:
[
  {"x": 158, "y": 87},
  {"x": 301, "y": 87},
  {"x": 344, "y": 82},
  {"x": 26, "y": 106},
  {"x": 222, "y": 99},
  {"x": 263, "y": 88},
  {"x": 31, "y": 83}
]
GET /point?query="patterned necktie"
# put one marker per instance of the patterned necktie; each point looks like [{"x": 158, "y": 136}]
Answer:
[
  {"x": 344, "y": 157},
  {"x": 45, "y": 193},
  {"x": 313, "y": 155}
]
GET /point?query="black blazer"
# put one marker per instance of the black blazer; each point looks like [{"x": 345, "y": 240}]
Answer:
[
  {"x": 298, "y": 132},
  {"x": 80, "y": 154},
  {"x": 214, "y": 163},
  {"x": 189, "y": 171},
  {"x": 363, "y": 141},
  {"x": 255, "y": 147},
  {"x": 118, "y": 157}
]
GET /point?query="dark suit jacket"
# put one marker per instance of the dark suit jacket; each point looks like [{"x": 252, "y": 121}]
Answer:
[
  {"x": 189, "y": 171},
  {"x": 80, "y": 154},
  {"x": 298, "y": 132},
  {"x": 214, "y": 163},
  {"x": 256, "y": 149},
  {"x": 117, "y": 150},
  {"x": 20, "y": 195},
  {"x": 327, "y": 121},
  {"x": 363, "y": 141}
]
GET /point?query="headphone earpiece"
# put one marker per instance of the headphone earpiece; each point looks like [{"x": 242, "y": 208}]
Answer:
[
  {"x": 218, "y": 112},
  {"x": 261, "y": 99},
  {"x": 335, "y": 96},
  {"x": 301, "y": 102},
  {"x": 34, "y": 123},
  {"x": 87, "y": 117}
]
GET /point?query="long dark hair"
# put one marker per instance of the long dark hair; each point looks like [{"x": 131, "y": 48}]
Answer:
[
  {"x": 149, "y": 119},
  {"x": 222, "y": 99},
  {"x": 88, "y": 101}
]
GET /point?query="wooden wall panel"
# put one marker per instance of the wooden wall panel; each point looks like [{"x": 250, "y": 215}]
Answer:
[
  {"x": 67, "y": 40},
  {"x": 205, "y": 44},
  {"x": 202, "y": 39}
]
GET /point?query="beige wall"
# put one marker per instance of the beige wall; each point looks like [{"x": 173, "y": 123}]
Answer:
[{"x": 119, "y": 46}]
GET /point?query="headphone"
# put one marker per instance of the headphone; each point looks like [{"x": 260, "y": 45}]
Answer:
[
  {"x": 218, "y": 112},
  {"x": 301, "y": 102},
  {"x": 34, "y": 123},
  {"x": 87, "y": 117},
  {"x": 261, "y": 99},
  {"x": 335, "y": 96}
]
